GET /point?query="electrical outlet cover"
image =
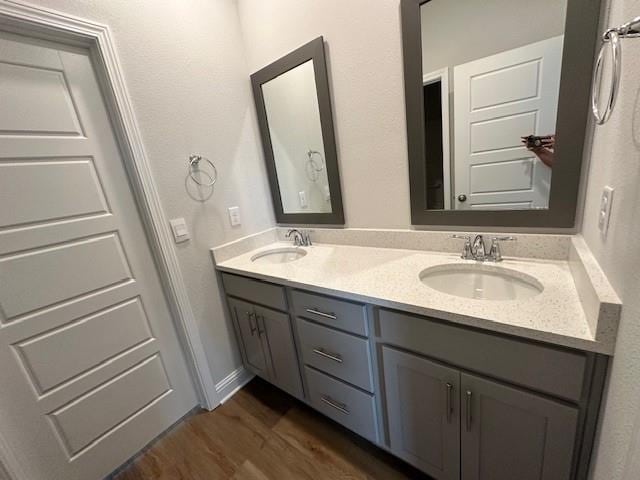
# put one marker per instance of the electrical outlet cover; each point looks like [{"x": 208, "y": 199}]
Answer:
[{"x": 604, "y": 214}]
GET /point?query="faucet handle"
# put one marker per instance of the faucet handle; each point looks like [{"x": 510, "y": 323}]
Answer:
[
  {"x": 466, "y": 249},
  {"x": 307, "y": 238},
  {"x": 461, "y": 237},
  {"x": 495, "y": 254}
]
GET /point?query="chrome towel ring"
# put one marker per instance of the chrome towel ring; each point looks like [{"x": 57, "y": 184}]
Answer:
[
  {"x": 312, "y": 167},
  {"x": 612, "y": 38},
  {"x": 194, "y": 166}
]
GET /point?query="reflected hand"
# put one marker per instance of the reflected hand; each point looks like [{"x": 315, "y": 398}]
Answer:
[
  {"x": 544, "y": 148},
  {"x": 545, "y": 141}
]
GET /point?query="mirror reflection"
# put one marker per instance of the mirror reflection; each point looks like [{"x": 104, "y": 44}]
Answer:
[
  {"x": 293, "y": 119},
  {"x": 491, "y": 77}
]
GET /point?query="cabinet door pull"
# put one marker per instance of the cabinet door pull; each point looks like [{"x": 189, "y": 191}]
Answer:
[
  {"x": 332, "y": 316},
  {"x": 469, "y": 406},
  {"x": 252, "y": 327},
  {"x": 260, "y": 330},
  {"x": 341, "y": 407},
  {"x": 449, "y": 401},
  {"x": 331, "y": 356}
]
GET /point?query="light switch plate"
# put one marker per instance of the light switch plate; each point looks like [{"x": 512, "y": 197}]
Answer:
[
  {"x": 302, "y": 195},
  {"x": 604, "y": 214},
  {"x": 179, "y": 230},
  {"x": 234, "y": 216}
]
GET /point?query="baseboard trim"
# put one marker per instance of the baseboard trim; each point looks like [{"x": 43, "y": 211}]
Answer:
[{"x": 233, "y": 382}]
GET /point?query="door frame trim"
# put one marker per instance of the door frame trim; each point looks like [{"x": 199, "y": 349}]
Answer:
[{"x": 45, "y": 24}]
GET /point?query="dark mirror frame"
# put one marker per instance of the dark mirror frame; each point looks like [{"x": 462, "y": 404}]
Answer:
[
  {"x": 313, "y": 50},
  {"x": 580, "y": 38}
]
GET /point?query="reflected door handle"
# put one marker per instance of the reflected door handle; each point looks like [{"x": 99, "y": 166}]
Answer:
[{"x": 462, "y": 197}]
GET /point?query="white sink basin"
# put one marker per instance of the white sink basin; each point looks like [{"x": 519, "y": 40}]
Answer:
[
  {"x": 481, "y": 282},
  {"x": 279, "y": 255}
]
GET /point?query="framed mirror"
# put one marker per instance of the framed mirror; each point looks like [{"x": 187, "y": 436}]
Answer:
[
  {"x": 296, "y": 127},
  {"x": 497, "y": 103}
]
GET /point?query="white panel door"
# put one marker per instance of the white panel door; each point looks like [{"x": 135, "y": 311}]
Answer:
[
  {"x": 497, "y": 100},
  {"x": 91, "y": 366}
]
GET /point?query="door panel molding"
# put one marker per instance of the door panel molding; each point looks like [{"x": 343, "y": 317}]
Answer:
[{"x": 50, "y": 25}]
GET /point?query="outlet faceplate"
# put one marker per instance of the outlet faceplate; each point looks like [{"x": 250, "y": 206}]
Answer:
[{"x": 604, "y": 214}]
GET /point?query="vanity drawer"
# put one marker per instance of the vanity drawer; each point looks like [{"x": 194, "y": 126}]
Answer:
[
  {"x": 340, "y": 314},
  {"x": 343, "y": 403},
  {"x": 255, "y": 291},
  {"x": 339, "y": 354},
  {"x": 546, "y": 369}
]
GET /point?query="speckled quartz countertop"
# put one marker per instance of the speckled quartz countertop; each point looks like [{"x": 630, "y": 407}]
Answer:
[{"x": 389, "y": 277}]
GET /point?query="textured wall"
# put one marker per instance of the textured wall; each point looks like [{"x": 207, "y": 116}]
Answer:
[
  {"x": 520, "y": 22},
  {"x": 615, "y": 161},
  {"x": 186, "y": 73},
  {"x": 364, "y": 55}
]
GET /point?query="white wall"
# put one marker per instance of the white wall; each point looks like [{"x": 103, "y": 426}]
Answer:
[
  {"x": 364, "y": 55},
  {"x": 447, "y": 25},
  {"x": 186, "y": 73},
  {"x": 615, "y": 161}
]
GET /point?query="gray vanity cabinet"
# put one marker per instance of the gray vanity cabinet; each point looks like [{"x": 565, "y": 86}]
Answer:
[
  {"x": 246, "y": 322},
  {"x": 275, "y": 330},
  {"x": 423, "y": 412},
  {"x": 458, "y": 403},
  {"x": 441, "y": 420},
  {"x": 508, "y": 433},
  {"x": 267, "y": 344}
]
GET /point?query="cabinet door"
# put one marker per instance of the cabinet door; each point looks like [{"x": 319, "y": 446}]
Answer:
[
  {"x": 423, "y": 412},
  {"x": 252, "y": 345},
  {"x": 508, "y": 433},
  {"x": 275, "y": 330}
]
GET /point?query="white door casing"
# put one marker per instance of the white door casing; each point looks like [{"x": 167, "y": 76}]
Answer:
[
  {"x": 92, "y": 368},
  {"x": 498, "y": 99}
]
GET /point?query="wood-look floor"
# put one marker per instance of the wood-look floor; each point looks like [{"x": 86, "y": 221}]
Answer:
[{"x": 263, "y": 434}]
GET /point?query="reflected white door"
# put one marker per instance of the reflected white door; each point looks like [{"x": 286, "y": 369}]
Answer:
[
  {"x": 497, "y": 100},
  {"x": 91, "y": 367}
]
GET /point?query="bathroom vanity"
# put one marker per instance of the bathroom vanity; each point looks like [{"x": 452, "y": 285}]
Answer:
[{"x": 461, "y": 388}]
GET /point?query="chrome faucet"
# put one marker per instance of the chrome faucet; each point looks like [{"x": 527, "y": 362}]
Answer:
[
  {"x": 476, "y": 250},
  {"x": 300, "y": 238}
]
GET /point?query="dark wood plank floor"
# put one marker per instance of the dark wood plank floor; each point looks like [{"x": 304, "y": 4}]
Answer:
[{"x": 263, "y": 434}]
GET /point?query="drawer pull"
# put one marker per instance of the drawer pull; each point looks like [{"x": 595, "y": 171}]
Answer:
[
  {"x": 341, "y": 407},
  {"x": 332, "y": 316},
  {"x": 331, "y": 356}
]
